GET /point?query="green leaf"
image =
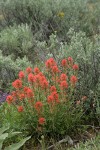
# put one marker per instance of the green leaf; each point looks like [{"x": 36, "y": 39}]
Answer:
[
  {"x": 2, "y": 138},
  {"x": 3, "y": 129},
  {"x": 16, "y": 146},
  {"x": 13, "y": 134}
]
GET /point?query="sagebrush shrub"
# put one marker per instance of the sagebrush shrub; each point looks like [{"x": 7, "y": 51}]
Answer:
[
  {"x": 16, "y": 40},
  {"x": 49, "y": 16},
  {"x": 10, "y": 68}
]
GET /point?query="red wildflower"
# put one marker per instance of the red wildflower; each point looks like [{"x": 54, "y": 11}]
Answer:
[
  {"x": 25, "y": 89},
  {"x": 29, "y": 93},
  {"x": 41, "y": 74},
  {"x": 64, "y": 85},
  {"x": 53, "y": 89},
  {"x": 44, "y": 84},
  {"x": 21, "y": 96},
  {"x": 41, "y": 121},
  {"x": 63, "y": 77},
  {"x": 31, "y": 78},
  {"x": 55, "y": 69},
  {"x": 75, "y": 67},
  {"x": 50, "y": 99},
  {"x": 70, "y": 59},
  {"x": 50, "y": 62},
  {"x": 21, "y": 75},
  {"x": 36, "y": 70},
  {"x": 55, "y": 96},
  {"x": 43, "y": 78},
  {"x": 20, "y": 108},
  {"x": 64, "y": 63},
  {"x": 38, "y": 79},
  {"x": 17, "y": 84},
  {"x": 9, "y": 99},
  {"x": 29, "y": 70},
  {"x": 73, "y": 79},
  {"x": 38, "y": 106},
  {"x": 14, "y": 94}
]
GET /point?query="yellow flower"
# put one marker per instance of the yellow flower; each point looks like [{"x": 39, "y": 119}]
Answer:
[
  {"x": 1, "y": 17},
  {"x": 61, "y": 14},
  {"x": 91, "y": 6}
]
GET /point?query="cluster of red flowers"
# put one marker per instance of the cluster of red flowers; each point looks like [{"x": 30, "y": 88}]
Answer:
[
  {"x": 64, "y": 63},
  {"x": 63, "y": 81},
  {"x": 52, "y": 66},
  {"x": 38, "y": 79},
  {"x": 50, "y": 63},
  {"x": 9, "y": 99},
  {"x": 33, "y": 83},
  {"x": 17, "y": 84},
  {"x": 73, "y": 79},
  {"x": 20, "y": 108},
  {"x": 28, "y": 70},
  {"x": 41, "y": 120},
  {"x": 69, "y": 63},
  {"x": 38, "y": 106},
  {"x": 53, "y": 98},
  {"x": 21, "y": 75}
]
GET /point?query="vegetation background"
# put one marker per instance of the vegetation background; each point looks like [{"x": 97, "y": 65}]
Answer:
[{"x": 33, "y": 31}]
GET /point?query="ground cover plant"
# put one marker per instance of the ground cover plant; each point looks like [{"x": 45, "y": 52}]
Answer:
[
  {"x": 93, "y": 144},
  {"x": 4, "y": 134}
]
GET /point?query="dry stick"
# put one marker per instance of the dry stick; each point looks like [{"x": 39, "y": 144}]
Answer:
[{"x": 67, "y": 139}]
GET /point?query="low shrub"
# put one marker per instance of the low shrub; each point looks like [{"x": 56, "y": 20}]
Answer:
[
  {"x": 93, "y": 143},
  {"x": 9, "y": 70},
  {"x": 4, "y": 134},
  {"x": 16, "y": 40},
  {"x": 49, "y": 16}
]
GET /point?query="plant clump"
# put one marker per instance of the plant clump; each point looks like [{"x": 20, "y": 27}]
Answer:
[{"x": 46, "y": 100}]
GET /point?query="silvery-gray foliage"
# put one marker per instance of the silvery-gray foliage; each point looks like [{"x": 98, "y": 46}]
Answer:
[
  {"x": 43, "y": 16},
  {"x": 16, "y": 40},
  {"x": 9, "y": 68}
]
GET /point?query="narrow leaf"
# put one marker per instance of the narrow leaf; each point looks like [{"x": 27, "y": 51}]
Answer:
[
  {"x": 16, "y": 146},
  {"x": 2, "y": 138},
  {"x": 13, "y": 134},
  {"x": 3, "y": 129}
]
